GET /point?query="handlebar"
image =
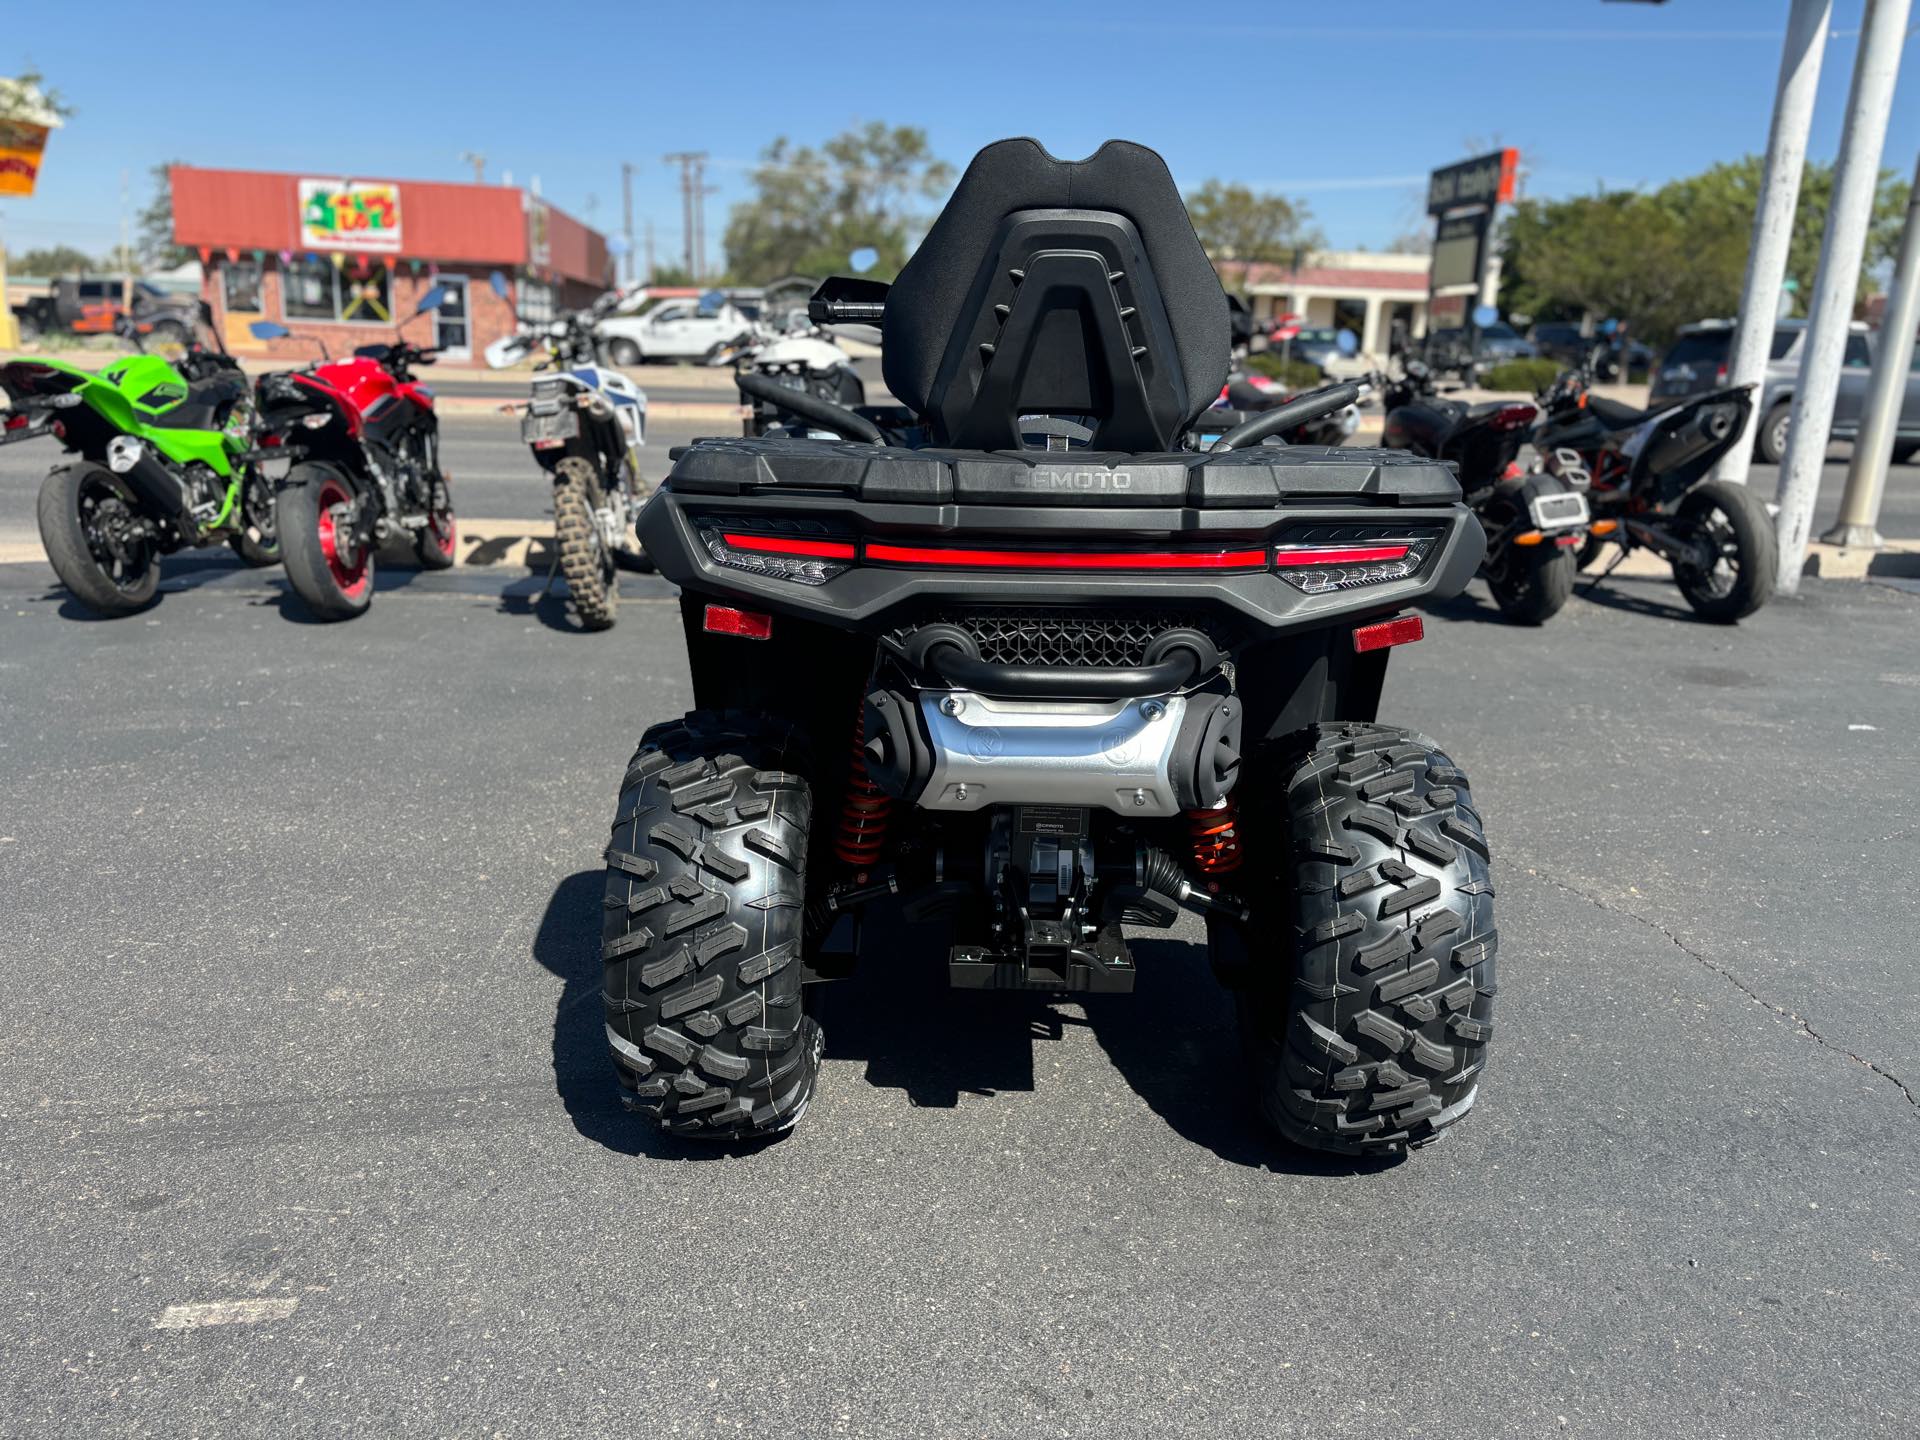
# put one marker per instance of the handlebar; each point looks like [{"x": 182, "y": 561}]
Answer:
[{"x": 1297, "y": 411}]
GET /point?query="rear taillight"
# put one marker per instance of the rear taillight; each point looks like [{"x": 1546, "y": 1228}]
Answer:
[
  {"x": 1720, "y": 376},
  {"x": 1511, "y": 417},
  {"x": 804, "y": 559},
  {"x": 17, "y": 422},
  {"x": 1318, "y": 569}
]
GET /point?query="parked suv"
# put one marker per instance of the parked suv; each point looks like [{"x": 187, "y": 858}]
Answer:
[
  {"x": 91, "y": 306},
  {"x": 1697, "y": 363}
]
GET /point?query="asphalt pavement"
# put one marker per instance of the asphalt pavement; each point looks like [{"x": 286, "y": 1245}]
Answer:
[{"x": 306, "y": 1125}]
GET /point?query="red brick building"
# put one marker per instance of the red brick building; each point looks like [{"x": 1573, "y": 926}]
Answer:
[{"x": 342, "y": 259}]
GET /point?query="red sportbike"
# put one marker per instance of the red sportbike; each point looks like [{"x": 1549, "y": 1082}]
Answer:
[{"x": 366, "y": 450}]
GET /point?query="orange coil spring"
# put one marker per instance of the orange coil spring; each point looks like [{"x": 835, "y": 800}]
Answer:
[
  {"x": 863, "y": 814},
  {"x": 1215, "y": 835}
]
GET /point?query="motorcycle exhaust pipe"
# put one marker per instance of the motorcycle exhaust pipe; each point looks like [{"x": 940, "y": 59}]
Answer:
[{"x": 158, "y": 487}]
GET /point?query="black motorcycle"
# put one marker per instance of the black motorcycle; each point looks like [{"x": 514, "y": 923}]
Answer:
[
  {"x": 1033, "y": 665},
  {"x": 1647, "y": 472},
  {"x": 1535, "y": 522}
]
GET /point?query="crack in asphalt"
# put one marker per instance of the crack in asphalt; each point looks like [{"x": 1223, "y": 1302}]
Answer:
[{"x": 1800, "y": 1022}]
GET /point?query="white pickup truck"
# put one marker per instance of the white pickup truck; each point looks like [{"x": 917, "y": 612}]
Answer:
[{"x": 693, "y": 328}]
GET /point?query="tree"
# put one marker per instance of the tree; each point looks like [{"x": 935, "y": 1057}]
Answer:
[
  {"x": 1678, "y": 254},
  {"x": 51, "y": 261},
  {"x": 155, "y": 245},
  {"x": 25, "y": 97},
  {"x": 1236, "y": 223},
  {"x": 670, "y": 277},
  {"x": 813, "y": 208}
]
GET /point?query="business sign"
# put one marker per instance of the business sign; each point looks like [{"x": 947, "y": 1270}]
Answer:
[
  {"x": 350, "y": 215},
  {"x": 1483, "y": 180},
  {"x": 21, "y": 146},
  {"x": 539, "y": 241},
  {"x": 1459, "y": 243}
]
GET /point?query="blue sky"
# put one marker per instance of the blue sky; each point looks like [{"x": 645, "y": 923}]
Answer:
[{"x": 1345, "y": 105}]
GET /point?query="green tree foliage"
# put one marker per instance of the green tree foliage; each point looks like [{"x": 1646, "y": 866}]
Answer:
[
  {"x": 1236, "y": 223},
  {"x": 1660, "y": 260},
  {"x": 670, "y": 277},
  {"x": 155, "y": 225},
  {"x": 51, "y": 261},
  {"x": 813, "y": 208},
  {"x": 26, "y": 97}
]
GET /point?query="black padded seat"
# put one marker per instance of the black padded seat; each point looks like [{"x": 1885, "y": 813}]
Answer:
[
  {"x": 1059, "y": 287},
  {"x": 1614, "y": 415}
]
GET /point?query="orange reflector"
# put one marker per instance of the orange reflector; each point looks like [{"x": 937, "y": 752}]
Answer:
[
  {"x": 1401, "y": 630},
  {"x": 748, "y": 624},
  {"x": 1604, "y": 527},
  {"x": 1530, "y": 537}
]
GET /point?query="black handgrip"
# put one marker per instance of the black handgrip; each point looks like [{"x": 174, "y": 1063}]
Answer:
[
  {"x": 1063, "y": 683},
  {"x": 810, "y": 407},
  {"x": 1297, "y": 411}
]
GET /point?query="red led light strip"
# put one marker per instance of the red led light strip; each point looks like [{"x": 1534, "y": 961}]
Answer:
[
  {"x": 1069, "y": 559},
  {"x": 1287, "y": 557},
  {"x": 782, "y": 545}
]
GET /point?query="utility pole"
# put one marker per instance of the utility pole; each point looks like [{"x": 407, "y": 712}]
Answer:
[
  {"x": 479, "y": 163},
  {"x": 700, "y": 213},
  {"x": 1800, "y": 58},
  {"x": 1873, "y": 451},
  {"x": 1883, "y": 31},
  {"x": 126, "y": 251},
  {"x": 692, "y": 163},
  {"x": 649, "y": 269},
  {"x": 626, "y": 207}
]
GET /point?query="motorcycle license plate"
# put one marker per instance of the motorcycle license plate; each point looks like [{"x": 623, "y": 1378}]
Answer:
[
  {"x": 1558, "y": 512},
  {"x": 550, "y": 429}
]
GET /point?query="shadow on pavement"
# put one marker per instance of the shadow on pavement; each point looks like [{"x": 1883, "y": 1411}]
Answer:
[
  {"x": 1174, "y": 1041},
  {"x": 1614, "y": 598},
  {"x": 568, "y": 944}
]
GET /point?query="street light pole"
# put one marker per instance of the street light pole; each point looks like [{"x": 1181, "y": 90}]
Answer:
[
  {"x": 1867, "y": 476},
  {"x": 1800, "y": 59},
  {"x": 1883, "y": 31},
  {"x": 626, "y": 204}
]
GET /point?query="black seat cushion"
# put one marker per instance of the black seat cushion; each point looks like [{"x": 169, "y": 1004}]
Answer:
[
  {"x": 1158, "y": 299},
  {"x": 1613, "y": 414}
]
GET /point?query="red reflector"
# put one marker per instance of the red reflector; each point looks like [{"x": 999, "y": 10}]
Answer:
[
  {"x": 272, "y": 441},
  {"x": 16, "y": 422},
  {"x": 1070, "y": 559},
  {"x": 783, "y": 545},
  {"x": 1401, "y": 630},
  {"x": 1566, "y": 542},
  {"x": 748, "y": 624},
  {"x": 1288, "y": 556},
  {"x": 1511, "y": 417}
]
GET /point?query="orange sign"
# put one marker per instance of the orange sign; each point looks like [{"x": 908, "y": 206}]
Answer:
[{"x": 21, "y": 146}]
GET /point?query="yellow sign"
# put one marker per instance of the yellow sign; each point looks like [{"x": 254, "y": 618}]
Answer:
[{"x": 21, "y": 146}]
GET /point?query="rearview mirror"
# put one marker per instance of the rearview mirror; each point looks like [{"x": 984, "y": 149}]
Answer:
[
  {"x": 503, "y": 353},
  {"x": 712, "y": 302},
  {"x": 863, "y": 259},
  {"x": 499, "y": 284},
  {"x": 1485, "y": 315},
  {"x": 432, "y": 300},
  {"x": 268, "y": 330},
  {"x": 1346, "y": 342}
]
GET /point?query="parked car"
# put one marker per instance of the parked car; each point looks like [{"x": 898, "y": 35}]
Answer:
[
  {"x": 1498, "y": 342},
  {"x": 86, "y": 305},
  {"x": 1697, "y": 363},
  {"x": 702, "y": 328},
  {"x": 1562, "y": 341}
]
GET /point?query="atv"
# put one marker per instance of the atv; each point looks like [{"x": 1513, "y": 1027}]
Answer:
[{"x": 1020, "y": 656}]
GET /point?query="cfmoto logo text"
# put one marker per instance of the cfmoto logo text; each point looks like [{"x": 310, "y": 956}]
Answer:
[{"x": 1104, "y": 481}]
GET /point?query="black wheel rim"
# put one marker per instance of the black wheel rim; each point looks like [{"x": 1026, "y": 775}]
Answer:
[
  {"x": 1714, "y": 569},
  {"x": 108, "y": 522}
]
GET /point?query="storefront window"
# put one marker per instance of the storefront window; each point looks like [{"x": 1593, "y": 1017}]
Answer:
[
  {"x": 243, "y": 285},
  {"x": 536, "y": 302},
  {"x": 321, "y": 290}
]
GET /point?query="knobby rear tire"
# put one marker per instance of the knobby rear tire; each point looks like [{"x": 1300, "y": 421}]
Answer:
[
  {"x": 583, "y": 560},
  {"x": 704, "y": 912},
  {"x": 1367, "y": 1033}
]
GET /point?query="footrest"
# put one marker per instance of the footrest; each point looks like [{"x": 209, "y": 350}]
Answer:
[{"x": 971, "y": 967}]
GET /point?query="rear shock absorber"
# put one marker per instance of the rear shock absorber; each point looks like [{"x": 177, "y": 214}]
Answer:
[
  {"x": 1215, "y": 835},
  {"x": 865, "y": 810}
]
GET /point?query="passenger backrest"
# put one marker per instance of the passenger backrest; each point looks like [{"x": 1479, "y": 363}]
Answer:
[{"x": 1059, "y": 287}]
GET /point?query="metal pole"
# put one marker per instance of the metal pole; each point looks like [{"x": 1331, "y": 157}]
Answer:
[
  {"x": 1883, "y": 32},
  {"x": 1773, "y": 216},
  {"x": 626, "y": 205},
  {"x": 1859, "y": 520}
]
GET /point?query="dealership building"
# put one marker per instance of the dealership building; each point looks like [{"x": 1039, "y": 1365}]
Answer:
[{"x": 341, "y": 258}]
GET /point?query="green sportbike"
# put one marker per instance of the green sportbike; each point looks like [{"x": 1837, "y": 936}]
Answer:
[{"x": 164, "y": 459}]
